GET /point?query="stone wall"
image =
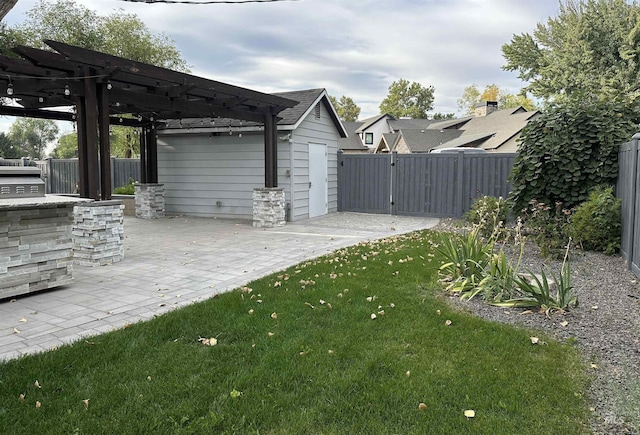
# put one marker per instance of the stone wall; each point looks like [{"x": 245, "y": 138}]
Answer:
[
  {"x": 149, "y": 201},
  {"x": 98, "y": 233},
  {"x": 36, "y": 249},
  {"x": 268, "y": 207}
]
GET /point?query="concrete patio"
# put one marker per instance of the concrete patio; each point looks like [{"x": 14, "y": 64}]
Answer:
[{"x": 173, "y": 262}]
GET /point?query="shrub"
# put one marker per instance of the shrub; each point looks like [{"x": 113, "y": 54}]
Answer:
[
  {"x": 596, "y": 223},
  {"x": 489, "y": 214},
  {"x": 127, "y": 189},
  {"x": 548, "y": 227},
  {"x": 569, "y": 150}
]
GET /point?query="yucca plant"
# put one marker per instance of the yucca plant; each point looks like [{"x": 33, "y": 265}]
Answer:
[
  {"x": 499, "y": 283},
  {"x": 537, "y": 290},
  {"x": 464, "y": 259}
]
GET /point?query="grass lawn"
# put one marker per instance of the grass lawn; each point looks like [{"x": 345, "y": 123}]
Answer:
[{"x": 298, "y": 352}]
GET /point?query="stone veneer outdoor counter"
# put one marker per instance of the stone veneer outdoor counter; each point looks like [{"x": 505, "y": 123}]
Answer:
[{"x": 36, "y": 246}]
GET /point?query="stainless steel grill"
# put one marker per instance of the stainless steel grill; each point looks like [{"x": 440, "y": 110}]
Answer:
[{"x": 20, "y": 182}]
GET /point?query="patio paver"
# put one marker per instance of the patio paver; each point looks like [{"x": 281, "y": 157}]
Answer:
[{"x": 173, "y": 262}]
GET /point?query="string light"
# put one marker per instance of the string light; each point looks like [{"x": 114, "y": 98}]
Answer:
[
  {"x": 109, "y": 85},
  {"x": 10, "y": 89},
  {"x": 67, "y": 91}
]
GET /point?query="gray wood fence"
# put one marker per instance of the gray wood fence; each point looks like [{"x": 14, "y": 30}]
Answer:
[
  {"x": 61, "y": 175},
  {"x": 436, "y": 185},
  {"x": 627, "y": 190}
]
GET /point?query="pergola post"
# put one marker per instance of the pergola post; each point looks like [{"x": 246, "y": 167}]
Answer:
[
  {"x": 270, "y": 149},
  {"x": 143, "y": 155},
  {"x": 91, "y": 132},
  {"x": 152, "y": 154},
  {"x": 83, "y": 175},
  {"x": 105, "y": 143}
]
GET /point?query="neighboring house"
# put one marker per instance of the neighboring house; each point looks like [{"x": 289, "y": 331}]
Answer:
[
  {"x": 372, "y": 129},
  {"x": 352, "y": 144},
  {"x": 422, "y": 141},
  {"x": 209, "y": 167}
]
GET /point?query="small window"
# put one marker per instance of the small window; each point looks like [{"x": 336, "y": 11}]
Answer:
[
  {"x": 368, "y": 138},
  {"x": 318, "y": 111}
]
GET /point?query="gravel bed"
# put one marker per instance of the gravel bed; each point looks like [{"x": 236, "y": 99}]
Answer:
[{"x": 605, "y": 327}]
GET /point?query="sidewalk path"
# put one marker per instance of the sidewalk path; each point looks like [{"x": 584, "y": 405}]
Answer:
[{"x": 175, "y": 261}]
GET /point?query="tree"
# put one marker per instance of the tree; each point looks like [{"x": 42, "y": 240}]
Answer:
[
  {"x": 124, "y": 141},
  {"x": 591, "y": 48},
  {"x": 7, "y": 148},
  {"x": 33, "y": 135},
  {"x": 408, "y": 100},
  {"x": 346, "y": 108},
  {"x": 570, "y": 149},
  {"x": 119, "y": 34},
  {"x": 441, "y": 116},
  {"x": 472, "y": 96},
  {"x": 67, "y": 147}
]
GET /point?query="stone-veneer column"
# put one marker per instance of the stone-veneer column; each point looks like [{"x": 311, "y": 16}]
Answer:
[
  {"x": 268, "y": 207},
  {"x": 36, "y": 248},
  {"x": 149, "y": 200},
  {"x": 98, "y": 233}
]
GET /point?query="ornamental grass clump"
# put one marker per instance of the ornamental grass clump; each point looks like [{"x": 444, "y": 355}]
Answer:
[{"x": 465, "y": 258}]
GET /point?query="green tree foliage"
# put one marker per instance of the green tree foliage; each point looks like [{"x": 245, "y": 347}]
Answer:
[
  {"x": 591, "y": 48},
  {"x": 408, "y": 100},
  {"x": 67, "y": 147},
  {"x": 119, "y": 34},
  {"x": 33, "y": 135},
  {"x": 7, "y": 148},
  {"x": 569, "y": 150},
  {"x": 347, "y": 109},
  {"x": 472, "y": 96},
  {"x": 441, "y": 116},
  {"x": 124, "y": 141}
]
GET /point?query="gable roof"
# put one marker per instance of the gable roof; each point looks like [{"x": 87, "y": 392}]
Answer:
[
  {"x": 352, "y": 142},
  {"x": 290, "y": 118},
  {"x": 386, "y": 143},
  {"x": 423, "y": 140},
  {"x": 370, "y": 121},
  {"x": 399, "y": 124},
  {"x": 501, "y": 125}
]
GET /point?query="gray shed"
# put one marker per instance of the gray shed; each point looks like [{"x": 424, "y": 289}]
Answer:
[{"x": 210, "y": 166}]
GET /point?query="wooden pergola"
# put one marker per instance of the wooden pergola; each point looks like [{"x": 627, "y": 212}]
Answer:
[{"x": 103, "y": 87}]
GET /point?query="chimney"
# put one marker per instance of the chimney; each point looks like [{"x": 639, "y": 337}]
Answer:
[{"x": 485, "y": 108}]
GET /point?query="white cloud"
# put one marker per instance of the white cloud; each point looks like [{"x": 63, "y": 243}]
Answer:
[{"x": 355, "y": 48}]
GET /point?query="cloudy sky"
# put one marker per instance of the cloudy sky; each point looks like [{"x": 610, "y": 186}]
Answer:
[{"x": 350, "y": 47}]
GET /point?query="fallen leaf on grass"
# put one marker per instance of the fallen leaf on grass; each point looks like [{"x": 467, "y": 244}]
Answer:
[
  {"x": 534, "y": 340},
  {"x": 438, "y": 312},
  {"x": 373, "y": 316},
  {"x": 208, "y": 341},
  {"x": 448, "y": 323},
  {"x": 274, "y": 315},
  {"x": 270, "y": 334},
  {"x": 38, "y": 404},
  {"x": 148, "y": 378},
  {"x": 469, "y": 413},
  {"x": 330, "y": 352},
  {"x": 21, "y": 397},
  {"x": 235, "y": 393},
  {"x": 86, "y": 403},
  {"x": 309, "y": 305},
  {"x": 322, "y": 302},
  {"x": 422, "y": 406},
  {"x": 381, "y": 313},
  {"x": 408, "y": 373},
  {"x": 37, "y": 384},
  {"x": 251, "y": 311}
]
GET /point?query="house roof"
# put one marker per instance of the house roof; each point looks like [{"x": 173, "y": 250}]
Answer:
[
  {"x": 290, "y": 118},
  {"x": 398, "y": 124},
  {"x": 465, "y": 140},
  {"x": 386, "y": 143},
  {"x": 352, "y": 142},
  {"x": 450, "y": 123},
  {"x": 370, "y": 121},
  {"x": 423, "y": 140},
  {"x": 500, "y": 126}
]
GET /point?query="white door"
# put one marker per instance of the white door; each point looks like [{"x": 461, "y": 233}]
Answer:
[{"x": 317, "y": 179}]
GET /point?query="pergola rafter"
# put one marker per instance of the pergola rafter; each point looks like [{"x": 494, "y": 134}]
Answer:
[{"x": 102, "y": 87}]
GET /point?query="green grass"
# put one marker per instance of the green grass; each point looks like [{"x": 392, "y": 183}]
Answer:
[{"x": 156, "y": 377}]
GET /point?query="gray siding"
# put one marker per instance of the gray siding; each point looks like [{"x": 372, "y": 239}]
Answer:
[
  {"x": 200, "y": 170},
  {"x": 321, "y": 131}
]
